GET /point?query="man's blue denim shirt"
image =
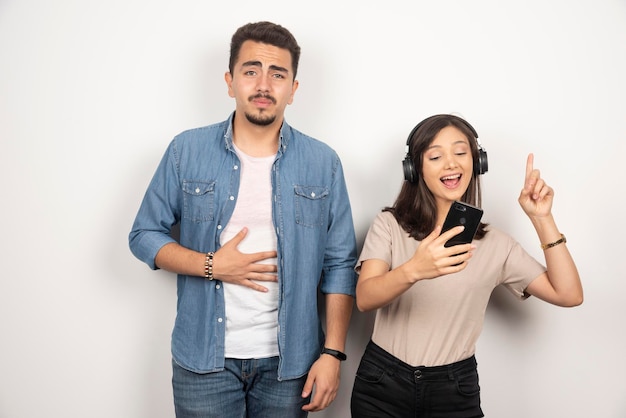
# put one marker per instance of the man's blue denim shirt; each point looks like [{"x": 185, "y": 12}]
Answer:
[{"x": 196, "y": 186}]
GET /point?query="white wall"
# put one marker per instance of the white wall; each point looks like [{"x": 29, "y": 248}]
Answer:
[{"x": 91, "y": 92}]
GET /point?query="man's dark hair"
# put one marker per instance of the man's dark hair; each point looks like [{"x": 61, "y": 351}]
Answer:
[{"x": 267, "y": 33}]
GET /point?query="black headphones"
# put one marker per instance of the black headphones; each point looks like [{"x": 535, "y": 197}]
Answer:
[{"x": 410, "y": 173}]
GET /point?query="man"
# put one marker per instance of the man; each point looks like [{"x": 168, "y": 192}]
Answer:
[{"x": 265, "y": 221}]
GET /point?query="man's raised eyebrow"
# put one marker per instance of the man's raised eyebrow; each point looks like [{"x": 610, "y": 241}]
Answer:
[
  {"x": 278, "y": 68},
  {"x": 259, "y": 64}
]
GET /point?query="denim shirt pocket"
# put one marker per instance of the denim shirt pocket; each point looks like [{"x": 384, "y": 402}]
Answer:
[
  {"x": 198, "y": 200},
  {"x": 311, "y": 205}
]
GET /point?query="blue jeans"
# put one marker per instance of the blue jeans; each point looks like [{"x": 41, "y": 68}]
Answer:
[
  {"x": 245, "y": 388},
  {"x": 386, "y": 387}
]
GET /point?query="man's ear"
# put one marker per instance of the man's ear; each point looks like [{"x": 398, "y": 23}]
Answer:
[
  {"x": 229, "y": 82},
  {"x": 294, "y": 87}
]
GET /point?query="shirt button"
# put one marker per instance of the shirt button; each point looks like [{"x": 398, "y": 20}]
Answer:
[
  {"x": 219, "y": 319},
  {"x": 197, "y": 190},
  {"x": 217, "y": 286},
  {"x": 232, "y": 198},
  {"x": 312, "y": 194},
  {"x": 235, "y": 167},
  {"x": 219, "y": 227}
]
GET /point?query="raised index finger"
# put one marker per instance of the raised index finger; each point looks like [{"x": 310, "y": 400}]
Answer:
[{"x": 529, "y": 165}]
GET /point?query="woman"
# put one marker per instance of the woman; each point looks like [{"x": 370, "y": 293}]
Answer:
[{"x": 431, "y": 299}]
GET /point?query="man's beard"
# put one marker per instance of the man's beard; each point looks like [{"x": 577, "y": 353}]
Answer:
[{"x": 261, "y": 120}]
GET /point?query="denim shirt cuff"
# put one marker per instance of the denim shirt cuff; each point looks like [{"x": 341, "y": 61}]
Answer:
[
  {"x": 150, "y": 245},
  {"x": 339, "y": 281}
]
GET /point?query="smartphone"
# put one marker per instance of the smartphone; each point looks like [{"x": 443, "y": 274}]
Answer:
[{"x": 462, "y": 214}]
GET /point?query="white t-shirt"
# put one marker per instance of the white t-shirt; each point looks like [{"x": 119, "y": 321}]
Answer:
[{"x": 252, "y": 316}]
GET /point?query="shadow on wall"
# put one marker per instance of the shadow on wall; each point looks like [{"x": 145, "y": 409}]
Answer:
[{"x": 512, "y": 313}]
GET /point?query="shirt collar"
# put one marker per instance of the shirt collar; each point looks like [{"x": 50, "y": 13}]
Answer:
[{"x": 284, "y": 135}]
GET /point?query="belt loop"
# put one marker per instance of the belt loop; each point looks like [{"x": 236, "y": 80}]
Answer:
[
  {"x": 450, "y": 373},
  {"x": 392, "y": 368}
]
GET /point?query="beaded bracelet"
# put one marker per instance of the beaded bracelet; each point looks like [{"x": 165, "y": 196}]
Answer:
[
  {"x": 562, "y": 240},
  {"x": 208, "y": 265}
]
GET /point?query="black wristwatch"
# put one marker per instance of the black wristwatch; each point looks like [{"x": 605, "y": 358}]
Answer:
[{"x": 335, "y": 353}]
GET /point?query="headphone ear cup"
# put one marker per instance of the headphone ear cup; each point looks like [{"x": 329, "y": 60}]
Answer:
[
  {"x": 482, "y": 165},
  {"x": 410, "y": 174}
]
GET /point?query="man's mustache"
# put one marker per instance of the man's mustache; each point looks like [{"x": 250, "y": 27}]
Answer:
[{"x": 263, "y": 96}]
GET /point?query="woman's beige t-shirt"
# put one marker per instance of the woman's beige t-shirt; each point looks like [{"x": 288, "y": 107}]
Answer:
[{"x": 438, "y": 321}]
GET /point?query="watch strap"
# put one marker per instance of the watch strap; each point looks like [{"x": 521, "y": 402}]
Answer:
[{"x": 335, "y": 353}]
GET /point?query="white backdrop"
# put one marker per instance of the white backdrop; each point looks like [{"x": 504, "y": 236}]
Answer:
[{"x": 91, "y": 92}]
